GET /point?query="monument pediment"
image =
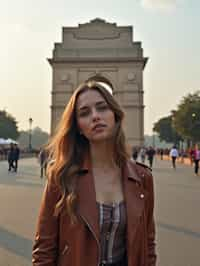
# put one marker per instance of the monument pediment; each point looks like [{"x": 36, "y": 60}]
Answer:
[
  {"x": 97, "y": 29},
  {"x": 97, "y": 39},
  {"x": 97, "y": 21}
]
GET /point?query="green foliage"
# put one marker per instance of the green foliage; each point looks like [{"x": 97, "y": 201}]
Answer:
[
  {"x": 187, "y": 117},
  {"x": 166, "y": 131},
  {"x": 8, "y": 126}
]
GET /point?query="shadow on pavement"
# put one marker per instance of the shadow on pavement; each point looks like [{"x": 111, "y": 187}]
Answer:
[
  {"x": 16, "y": 244},
  {"x": 178, "y": 229},
  {"x": 18, "y": 181},
  {"x": 27, "y": 176}
]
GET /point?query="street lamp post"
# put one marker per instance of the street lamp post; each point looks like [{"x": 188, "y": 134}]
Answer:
[{"x": 30, "y": 133}]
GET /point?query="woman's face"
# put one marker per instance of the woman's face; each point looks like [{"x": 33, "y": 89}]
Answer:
[{"x": 95, "y": 119}]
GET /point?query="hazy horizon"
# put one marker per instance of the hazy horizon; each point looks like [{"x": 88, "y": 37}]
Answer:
[{"x": 168, "y": 30}]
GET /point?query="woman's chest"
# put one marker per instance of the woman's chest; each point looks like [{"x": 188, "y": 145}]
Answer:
[{"x": 108, "y": 188}]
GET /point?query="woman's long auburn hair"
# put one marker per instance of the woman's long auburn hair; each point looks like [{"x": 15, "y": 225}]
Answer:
[{"x": 68, "y": 148}]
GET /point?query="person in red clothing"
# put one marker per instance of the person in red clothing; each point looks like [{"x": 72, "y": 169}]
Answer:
[
  {"x": 196, "y": 159},
  {"x": 191, "y": 154}
]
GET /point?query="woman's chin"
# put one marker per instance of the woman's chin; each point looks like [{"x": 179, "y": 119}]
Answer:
[{"x": 100, "y": 138}]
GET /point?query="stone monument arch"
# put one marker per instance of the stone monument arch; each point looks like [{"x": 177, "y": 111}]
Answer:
[{"x": 99, "y": 48}]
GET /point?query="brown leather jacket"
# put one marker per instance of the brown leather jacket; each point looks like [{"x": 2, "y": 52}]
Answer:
[{"x": 57, "y": 243}]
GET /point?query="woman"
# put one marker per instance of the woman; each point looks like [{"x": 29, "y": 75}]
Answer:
[{"x": 97, "y": 207}]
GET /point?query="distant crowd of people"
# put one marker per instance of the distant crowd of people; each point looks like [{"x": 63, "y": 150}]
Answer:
[{"x": 143, "y": 153}]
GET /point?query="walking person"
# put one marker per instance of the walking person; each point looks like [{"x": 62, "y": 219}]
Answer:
[
  {"x": 196, "y": 159},
  {"x": 150, "y": 155},
  {"x": 135, "y": 154},
  {"x": 142, "y": 154},
  {"x": 16, "y": 154},
  {"x": 11, "y": 158},
  {"x": 174, "y": 155},
  {"x": 161, "y": 153},
  {"x": 42, "y": 157},
  {"x": 94, "y": 209},
  {"x": 191, "y": 154}
]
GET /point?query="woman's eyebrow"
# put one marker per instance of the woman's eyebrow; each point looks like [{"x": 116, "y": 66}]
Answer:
[
  {"x": 83, "y": 107},
  {"x": 87, "y": 106},
  {"x": 100, "y": 102}
]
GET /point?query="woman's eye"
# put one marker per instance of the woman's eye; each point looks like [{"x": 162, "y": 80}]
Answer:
[
  {"x": 102, "y": 107},
  {"x": 84, "y": 113}
]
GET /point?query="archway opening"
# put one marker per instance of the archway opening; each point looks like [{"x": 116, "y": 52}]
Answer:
[{"x": 99, "y": 78}]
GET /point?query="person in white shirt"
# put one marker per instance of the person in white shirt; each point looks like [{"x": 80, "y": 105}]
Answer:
[
  {"x": 143, "y": 154},
  {"x": 173, "y": 154}
]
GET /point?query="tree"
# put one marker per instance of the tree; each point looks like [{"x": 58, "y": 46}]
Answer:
[
  {"x": 39, "y": 138},
  {"x": 186, "y": 119},
  {"x": 8, "y": 126},
  {"x": 166, "y": 131}
]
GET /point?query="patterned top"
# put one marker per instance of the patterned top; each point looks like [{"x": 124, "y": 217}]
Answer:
[{"x": 113, "y": 231}]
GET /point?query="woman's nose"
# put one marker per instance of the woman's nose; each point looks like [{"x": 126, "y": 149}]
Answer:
[{"x": 95, "y": 115}]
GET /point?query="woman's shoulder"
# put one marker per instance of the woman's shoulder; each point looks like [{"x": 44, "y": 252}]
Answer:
[
  {"x": 141, "y": 167},
  {"x": 143, "y": 171}
]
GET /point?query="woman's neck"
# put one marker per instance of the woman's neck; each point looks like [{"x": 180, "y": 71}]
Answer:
[{"x": 102, "y": 155}]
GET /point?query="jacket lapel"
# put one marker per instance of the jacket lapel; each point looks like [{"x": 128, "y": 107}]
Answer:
[
  {"x": 87, "y": 206},
  {"x": 135, "y": 195}
]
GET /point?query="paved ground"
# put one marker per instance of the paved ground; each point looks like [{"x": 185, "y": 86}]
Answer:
[{"x": 177, "y": 213}]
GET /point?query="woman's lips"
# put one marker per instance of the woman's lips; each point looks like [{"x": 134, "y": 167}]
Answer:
[{"x": 98, "y": 127}]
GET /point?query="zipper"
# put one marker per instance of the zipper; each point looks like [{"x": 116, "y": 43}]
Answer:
[
  {"x": 63, "y": 252},
  {"x": 98, "y": 243},
  {"x": 65, "y": 249}
]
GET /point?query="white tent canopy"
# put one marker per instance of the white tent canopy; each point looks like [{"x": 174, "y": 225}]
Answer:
[
  {"x": 2, "y": 141},
  {"x": 7, "y": 141}
]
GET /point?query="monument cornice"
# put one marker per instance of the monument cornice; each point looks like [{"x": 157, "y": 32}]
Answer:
[
  {"x": 119, "y": 91},
  {"x": 125, "y": 105},
  {"x": 131, "y": 105},
  {"x": 70, "y": 60},
  {"x": 116, "y": 91}
]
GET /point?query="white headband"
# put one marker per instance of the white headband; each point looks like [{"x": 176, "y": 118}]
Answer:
[{"x": 106, "y": 86}]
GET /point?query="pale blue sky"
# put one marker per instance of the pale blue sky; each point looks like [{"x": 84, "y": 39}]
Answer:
[{"x": 168, "y": 29}]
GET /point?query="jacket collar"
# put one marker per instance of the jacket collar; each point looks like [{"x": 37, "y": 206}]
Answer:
[
  {"x": 87, "y": 205},
  {"x": 129, "y": 171}
]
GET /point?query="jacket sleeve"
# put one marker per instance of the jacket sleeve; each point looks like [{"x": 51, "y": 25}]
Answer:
[
  {"x": 45, "y": 247},
  {"x": 151, "y": 223}
]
